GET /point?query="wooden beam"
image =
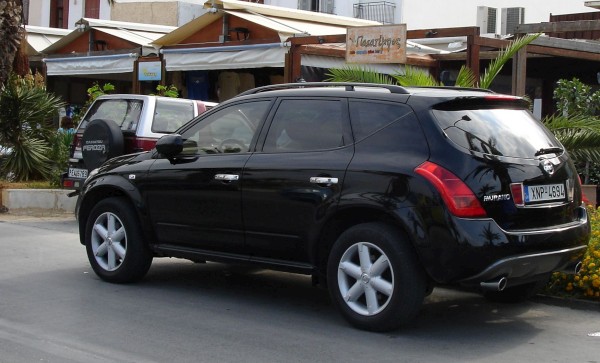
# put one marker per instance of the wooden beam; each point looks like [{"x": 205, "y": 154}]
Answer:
[
  {"x": 443, "y": 32},
  {"x": 558, "y": 27},
  {"x": 519, "y": 72},
  {"x": 318, "y": 39},
  {"x": 473, "y": 58},
  {"x": 568, "y": 44}
]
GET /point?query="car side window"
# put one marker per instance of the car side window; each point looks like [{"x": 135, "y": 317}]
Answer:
[
  {"x": 306, "y": 125},
  {"x": 169, "y": 115},
  {"x": 229, "y": 130},
  {"x": 369, "y": 117}
]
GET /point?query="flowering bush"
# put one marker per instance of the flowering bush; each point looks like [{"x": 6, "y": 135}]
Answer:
[{"x": 586, "y": 284}]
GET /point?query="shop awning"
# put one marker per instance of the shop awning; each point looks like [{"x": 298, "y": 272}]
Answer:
[
  {"x": 225, "y": 57},
  {"x": 320, "y": 61},
  {"x": 39, "y": 38},
  {"x": 103, "y": 64}
]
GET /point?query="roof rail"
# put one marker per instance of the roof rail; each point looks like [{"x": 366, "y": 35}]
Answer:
[{"x": 350, "y": 86}]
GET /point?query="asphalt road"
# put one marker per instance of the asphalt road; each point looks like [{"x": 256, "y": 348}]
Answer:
[{"x": 54, "y": 309}]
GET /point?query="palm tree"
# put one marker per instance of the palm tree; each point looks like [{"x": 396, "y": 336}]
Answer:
[
  {"x": 11, "y": 12},
  {"x": 415, "y": 77}
]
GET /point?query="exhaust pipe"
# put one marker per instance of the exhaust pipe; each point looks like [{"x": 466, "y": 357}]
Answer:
[
  {"x": 573, "y": 268},
  {"x": 496, "y": 285}
]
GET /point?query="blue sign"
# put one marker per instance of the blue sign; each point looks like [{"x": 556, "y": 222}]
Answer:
[{"x": 149, "y": 71}]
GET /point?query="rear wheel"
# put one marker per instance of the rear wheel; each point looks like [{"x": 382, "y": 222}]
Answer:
[
  {"x": 114, "y": 242},
  {"x": 375, "y": 278}
]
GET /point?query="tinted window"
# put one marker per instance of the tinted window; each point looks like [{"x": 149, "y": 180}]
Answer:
[
  {"x": 369, "y": 117},
  {"x": 503, "y": 132},
  {"x": 169, "y": 115},
  {"x": 303, "y": 125},
  {"x": 229, "y": 130},
  {"x": 125, "y": 113}
]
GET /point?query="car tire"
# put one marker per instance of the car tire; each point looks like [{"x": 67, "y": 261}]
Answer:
[
  {"x": 114, "y": 242},
  {"x": 516, "y": 294},
  {"x": 374, "y": 263},
  {"x": 101, "y": 141}
]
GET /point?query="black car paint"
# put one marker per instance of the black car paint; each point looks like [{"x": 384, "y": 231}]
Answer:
[{"x": 283, "y": 222}]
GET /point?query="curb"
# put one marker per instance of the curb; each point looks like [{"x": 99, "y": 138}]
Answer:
[
  {"x": 38, "y": 201},
  {"x": 578, "y": 304}
]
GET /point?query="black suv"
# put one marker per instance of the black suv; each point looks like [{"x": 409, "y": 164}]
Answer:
[{"x": 381, "y": 192}]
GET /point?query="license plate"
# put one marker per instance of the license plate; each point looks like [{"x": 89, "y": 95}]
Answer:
[
  {"x": 543, "y": 193},
  {"x": 78, "y": 173}
]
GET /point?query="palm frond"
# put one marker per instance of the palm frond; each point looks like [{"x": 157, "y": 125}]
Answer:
[
  {"x": 357, "y": 73},
  {"x": 28, "y": 161},
  {"x": 415, "y": 77},
  {"x": 579, "y": 134},
  {"x": 504, "y": 56},
  {"x": 466, "y": 77}
]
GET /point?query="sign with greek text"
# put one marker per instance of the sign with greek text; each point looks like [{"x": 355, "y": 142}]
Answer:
[
  {"x": 149, "y": 71},
  {"x": 379, "y": 44}
]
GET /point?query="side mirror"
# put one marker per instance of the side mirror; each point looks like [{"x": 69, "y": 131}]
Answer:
[{"x": 170, "y": 145}]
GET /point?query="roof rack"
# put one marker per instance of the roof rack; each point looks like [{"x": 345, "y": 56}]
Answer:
[{"x": 350, "y": 86}]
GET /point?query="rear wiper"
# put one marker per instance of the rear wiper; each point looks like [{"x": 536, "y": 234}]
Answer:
[{"x": 549, "y": 150}]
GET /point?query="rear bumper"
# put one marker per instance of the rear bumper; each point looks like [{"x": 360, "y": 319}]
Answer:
[
  {"x": 470, "y": 251},
  {"x": 525, "y": 268},
  {"x": 70, "y": 183}
]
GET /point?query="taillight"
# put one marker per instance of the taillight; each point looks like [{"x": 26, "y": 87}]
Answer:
[
  {"x": 459, "y": 199},
  {"x": 516, "y": 189},
  {"x": 77, "y": 142}
]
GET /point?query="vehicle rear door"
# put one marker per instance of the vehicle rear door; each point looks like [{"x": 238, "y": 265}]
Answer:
[
  {"x": 194, "y": 200},
  {"x": 295, "y": 180}
]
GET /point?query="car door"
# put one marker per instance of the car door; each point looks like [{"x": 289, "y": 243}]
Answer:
[
  {"x": 292, "y": 185},
  {"x": 194, "y": 199}
]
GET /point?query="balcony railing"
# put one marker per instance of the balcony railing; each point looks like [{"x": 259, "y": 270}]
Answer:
[{"x": 381, "y": 11}]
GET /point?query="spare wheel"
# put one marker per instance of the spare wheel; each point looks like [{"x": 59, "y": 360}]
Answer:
[{"x": 102, "y": 140}]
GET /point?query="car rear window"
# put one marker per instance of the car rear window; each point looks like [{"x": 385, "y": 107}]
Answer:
[
  {"x": 171, "y": 115},
  {"x": 509, "y": 132},
  {"x": 125, "y": 113}
]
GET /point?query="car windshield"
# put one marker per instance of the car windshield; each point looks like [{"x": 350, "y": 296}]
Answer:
[{"x": 502, "y": 132}]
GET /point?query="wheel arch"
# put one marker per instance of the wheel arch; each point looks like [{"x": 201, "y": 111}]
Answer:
[
  {"x": 348, "y": 217},
  {"x": 107, "y": 187}
]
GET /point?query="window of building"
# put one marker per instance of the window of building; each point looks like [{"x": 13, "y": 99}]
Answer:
[
  {"x": 92, "y": 9},
  {"x": 321, "y": 6},
  {"x": 59, "y": 14}
]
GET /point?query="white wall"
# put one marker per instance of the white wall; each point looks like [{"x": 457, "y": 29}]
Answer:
[
  {"x": 422, "y": 14},
  {"x": 455, "y": 13},
  {"x": 38, "y": 12}
]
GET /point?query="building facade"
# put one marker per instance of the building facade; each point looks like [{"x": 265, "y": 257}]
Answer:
[{"x": 493, "y": 16}]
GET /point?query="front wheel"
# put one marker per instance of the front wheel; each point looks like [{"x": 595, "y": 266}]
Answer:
[
  {"x": 114, "y": 242},
  {"x": 374, "y": 277}
]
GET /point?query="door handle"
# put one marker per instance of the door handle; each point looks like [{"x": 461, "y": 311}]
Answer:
[
  {"x": 323, "y": 180},
  {"x": 227, "y": 177}
]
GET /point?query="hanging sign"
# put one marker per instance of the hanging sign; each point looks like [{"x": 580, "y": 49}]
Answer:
[
  {"x": 378, "y": 44},
  {"x": 149, "y": 71}
]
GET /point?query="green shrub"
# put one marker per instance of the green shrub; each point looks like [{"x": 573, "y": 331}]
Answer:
[{"x": 586, "y": 284}]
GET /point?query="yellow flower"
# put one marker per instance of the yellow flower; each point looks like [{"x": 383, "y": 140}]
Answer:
[
  {"x": 596, "y": 282},
  {"x": 577, "y": 278}
]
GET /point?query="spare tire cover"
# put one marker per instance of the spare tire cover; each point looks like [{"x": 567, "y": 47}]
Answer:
[{"x": 102, "y": 140}]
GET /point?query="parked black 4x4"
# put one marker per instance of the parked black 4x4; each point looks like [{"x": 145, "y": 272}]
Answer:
[{"x": 381, "y": 191}]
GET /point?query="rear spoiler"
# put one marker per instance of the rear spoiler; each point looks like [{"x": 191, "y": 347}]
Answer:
[{"x": 483, "y": 102}]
